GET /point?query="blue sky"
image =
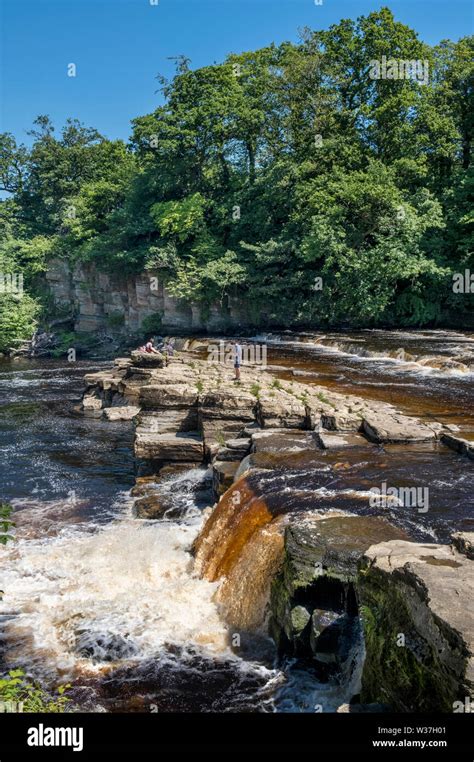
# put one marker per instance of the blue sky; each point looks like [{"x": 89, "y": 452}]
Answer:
[{"x": 119, "y": 46}]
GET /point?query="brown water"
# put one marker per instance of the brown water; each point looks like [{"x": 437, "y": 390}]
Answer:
[
  {"x": 425, "y": 373},
  {"x": 114, "y": 604}
]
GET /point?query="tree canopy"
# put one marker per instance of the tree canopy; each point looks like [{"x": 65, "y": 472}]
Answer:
[{"x": 265, "y": 172}]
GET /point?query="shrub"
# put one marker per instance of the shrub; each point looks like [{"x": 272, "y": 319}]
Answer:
[
  {"x": 116, "y": 320},
  {"x": 5, "y": 523},
  {"x": 17, "y": 319},
  {"x": 152, "y": 324},
  {"x": 15, "y": 690}
]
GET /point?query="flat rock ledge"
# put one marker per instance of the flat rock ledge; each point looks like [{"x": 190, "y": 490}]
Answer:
[
  {"x": 418, "y": 611},
  {"x": 193, "y": 410},
  {"x": 345, "y": 582}
]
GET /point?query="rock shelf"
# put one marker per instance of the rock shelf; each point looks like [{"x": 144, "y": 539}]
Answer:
[{"x": 324, "y": 584}]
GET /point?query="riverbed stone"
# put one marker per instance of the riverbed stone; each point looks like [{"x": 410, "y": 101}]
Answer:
[
  {"x": 458, "y": 444},
  {"x": 148, "y": 359},
  {"x": 335, "y": 441},
  {"x": 223, "y": 475},
  {"x": 181, "y": 446},
  {"x": 464, "y": 543},
  {"x": 418, "y": 613},
  {"x": 281, "y": 411},
  {"x": 383, "y": 427},
  {"x": 176, "y": 396},
  {"x": 320, "y": 566},
  {"x": 126, "y": 413}
]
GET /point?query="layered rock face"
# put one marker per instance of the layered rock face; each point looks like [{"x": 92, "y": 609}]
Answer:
[
  {"x": 418, "y": 611},
  {"x": 99, "y": 300},
  {"x": 326, "y": 583}
]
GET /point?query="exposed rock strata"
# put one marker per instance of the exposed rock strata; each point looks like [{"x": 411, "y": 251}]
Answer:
[
  {"x": 307, "y": 575},
  {"x": 418, "y": 612}
]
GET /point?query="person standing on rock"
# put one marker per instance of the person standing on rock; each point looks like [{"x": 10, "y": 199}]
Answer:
[{"x": 237, "y": 354}]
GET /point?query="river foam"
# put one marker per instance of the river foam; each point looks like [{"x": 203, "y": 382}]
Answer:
[{"x": 82, "y": 599}]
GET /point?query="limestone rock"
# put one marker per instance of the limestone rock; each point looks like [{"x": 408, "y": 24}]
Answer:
[
  {"x": 341, "y": 420},
  {"x": 148, "y": 359},
  {"x": 125, "y": 413},
  {"x": 335, "y": 441},
  {"x": 92, "y": 403},
  {"x": 166, "y": 422},
  {"x": 186, "y": 446},
  {"x": 423, "y": 593},
  {"x": 332, "y": 545},
  {"x": 383, "y": 427},
  {"x": 166, "y": 395},
  {"x": 281, "y": 411},
  {"x": 234, "y": 449},
  {"x": 460, "y": 445},
  {"x": 223, "y": 475},
  {"x": 321, "y": 555},
  {"x": 464, "y": 543},
  {"x": 282, "y": 440}
]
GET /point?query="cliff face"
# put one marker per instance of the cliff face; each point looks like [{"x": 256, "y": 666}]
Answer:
[{"x": 101, "y": 300}]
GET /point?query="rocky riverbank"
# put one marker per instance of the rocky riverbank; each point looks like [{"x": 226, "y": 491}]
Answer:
[{"x": 334, "y": 582}]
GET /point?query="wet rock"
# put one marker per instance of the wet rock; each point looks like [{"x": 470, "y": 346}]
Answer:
[
  {"x": 234, "y": 449},
  {"x": 464, "y": 543},
  {"x": 148, "y": 359},
  {"x": 92, "y": 402},
  {"x": 281, "y": 411},
  {"x": 384, "y": 427},
  {"x": 458, "y": 444},
  {"x": 158, "y": 504},
  {"x": 186, "y": 446},
  {"x": 282, "y": 440},
  {"x": 104, "y": 646},
  {"x": 332, "y": 637},
  {"x": 443, "y": 364},
  {"x": 332, "y": 441},
  {"x": 125, "y": 413},
  {"x": 419, "y": 626},
  {"x": 299, "y": 617},
  {"x": 319, "y": 571},
  {"x": 151, "y": 506},
  {"x": 223, "y": 475},
  {"x": 332, "y": 545},
  {"x": 246, "y": 465}
]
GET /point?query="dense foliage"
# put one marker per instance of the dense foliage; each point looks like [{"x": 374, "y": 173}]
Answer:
[
  {"x": 6, "y": 523},
  {"x": 17, "y": 694},
  {"x": 261, "y": 174}
]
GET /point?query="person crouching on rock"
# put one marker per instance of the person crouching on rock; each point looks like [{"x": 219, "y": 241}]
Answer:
[{"x": 150, "y": 348}]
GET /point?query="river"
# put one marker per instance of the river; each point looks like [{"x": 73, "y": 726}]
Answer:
[{"x": 110, "y": 603}]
